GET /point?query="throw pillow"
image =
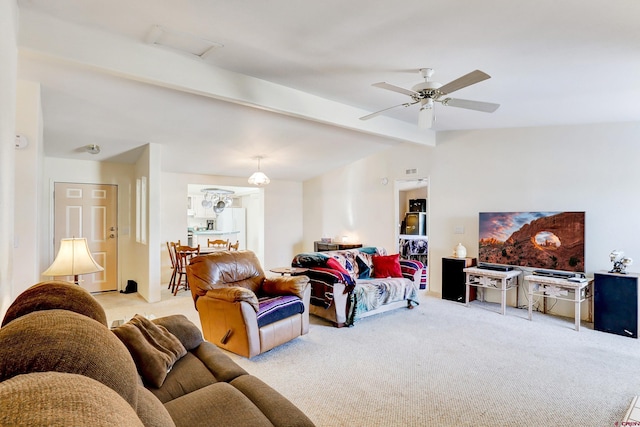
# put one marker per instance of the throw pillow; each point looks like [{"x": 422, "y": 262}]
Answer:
[
  {"x": 386, "y": 266},
  {"x": 152, "y": 347}
]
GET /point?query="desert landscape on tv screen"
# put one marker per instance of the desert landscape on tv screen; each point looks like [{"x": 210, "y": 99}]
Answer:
[{"x": 541, "y": 240}]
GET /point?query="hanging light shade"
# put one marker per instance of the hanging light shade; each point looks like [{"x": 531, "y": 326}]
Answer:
[
  {"x": 73, "y": 259},
  {"x": 258, "y": 178}
]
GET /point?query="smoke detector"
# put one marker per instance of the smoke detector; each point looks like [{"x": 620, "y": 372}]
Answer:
[{"x": 92, "y": 148}]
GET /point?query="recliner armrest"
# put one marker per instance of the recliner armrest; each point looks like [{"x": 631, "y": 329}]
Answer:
[
  {"x": 285, "y": 285},
  {"x": 235, "y": 294}
]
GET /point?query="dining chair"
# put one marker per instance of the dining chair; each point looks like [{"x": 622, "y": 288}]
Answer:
[
  {"x": 220, "y": 244},
  {"x": 171, "y": 247},
  {"x": 184, "y": 254},
  {"x": 235, "y": 246}
]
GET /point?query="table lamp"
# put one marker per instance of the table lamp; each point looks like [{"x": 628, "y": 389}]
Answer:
[{"x": 73, "y": 259}]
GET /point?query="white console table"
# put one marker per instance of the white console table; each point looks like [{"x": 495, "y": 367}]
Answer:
[
  {"x": 562, "y": 289},
  {"x": 491, "y": 279}
]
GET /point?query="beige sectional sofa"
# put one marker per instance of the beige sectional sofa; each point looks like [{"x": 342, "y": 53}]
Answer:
[{"x": 61, "y": 365}]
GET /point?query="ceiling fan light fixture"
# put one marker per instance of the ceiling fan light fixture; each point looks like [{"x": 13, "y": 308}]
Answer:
[
  {"x": 258, "y": 178},
  {"x": 427, "y": 92},
  {"x": 425, "y": 117}
]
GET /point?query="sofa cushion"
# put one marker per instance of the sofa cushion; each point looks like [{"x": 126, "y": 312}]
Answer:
[
  {"x": 386, "y": 266},
  {"x": 187, "y": 375},
  {"x": 153, "y": 348},
  {"x": 52, "y": 295},
  {"x": 224, "y": 269},
  {"x": 279, "y": 410},
  {"x": 221, "y": 365},
  {"x": 151, "y": 411},
  {"x": 221, "y": 404},
  {"x": 277, "y": 308},
  {"x": 62, "y": 399},
  {"x": 285, "y": 285},
  {"x": 64, "y": 341}
]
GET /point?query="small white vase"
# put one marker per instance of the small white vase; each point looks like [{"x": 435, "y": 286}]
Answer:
[{"x": 460, "y": 251}]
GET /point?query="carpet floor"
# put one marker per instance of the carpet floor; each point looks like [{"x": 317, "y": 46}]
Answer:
[{"x": 441, "y": 364}]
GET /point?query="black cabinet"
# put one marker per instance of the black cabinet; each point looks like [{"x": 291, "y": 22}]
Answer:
[
  {"x": 615, "y": 303},
  {"x": 454, "y": 279}
]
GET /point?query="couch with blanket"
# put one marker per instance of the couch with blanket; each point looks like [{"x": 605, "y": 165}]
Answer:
[
  {"x": 347, "y": 285},
  {"x": 61, "y": 365}
]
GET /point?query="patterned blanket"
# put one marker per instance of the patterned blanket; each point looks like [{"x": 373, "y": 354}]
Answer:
[
  {"x": 354, "y": 270},
  {"x": 370, "y": 294}
]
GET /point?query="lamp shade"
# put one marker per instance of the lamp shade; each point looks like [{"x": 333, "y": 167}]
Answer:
[
  {"x": 73, "y": 258},
  {"x": 258, "y": 178}
]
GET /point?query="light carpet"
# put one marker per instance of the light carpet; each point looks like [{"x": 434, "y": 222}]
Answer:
[{"x": 444, "y": 364}]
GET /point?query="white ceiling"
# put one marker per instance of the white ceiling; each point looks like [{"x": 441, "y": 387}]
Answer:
[{"x": 551, "y": 62}]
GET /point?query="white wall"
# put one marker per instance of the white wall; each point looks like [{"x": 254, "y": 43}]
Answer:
[
  {"x": 28, "y": 187},
  {"x": 8, "y": 78},
  {"x": 592, "y": 168},
  {"x": 353, "y": 201}
]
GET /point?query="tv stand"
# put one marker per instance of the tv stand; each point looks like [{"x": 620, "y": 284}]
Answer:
[
  {"x": 491, "y": 279},
  {"x": 559, "y": 288}
]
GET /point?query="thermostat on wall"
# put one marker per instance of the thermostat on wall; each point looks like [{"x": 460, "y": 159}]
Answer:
[{"x": 21, "y": 141}]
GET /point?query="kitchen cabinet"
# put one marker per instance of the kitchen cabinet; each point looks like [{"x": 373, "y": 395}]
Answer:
[{"x": 229, "y": 224}]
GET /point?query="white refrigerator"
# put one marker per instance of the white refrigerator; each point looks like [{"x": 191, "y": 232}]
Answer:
[{"x": 232, "y": 220}]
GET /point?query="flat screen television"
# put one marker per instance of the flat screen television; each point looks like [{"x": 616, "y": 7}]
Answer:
[{"x": 537, "y": 240}]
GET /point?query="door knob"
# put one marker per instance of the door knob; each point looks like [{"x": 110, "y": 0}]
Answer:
[{"x": 112, "y": 236}]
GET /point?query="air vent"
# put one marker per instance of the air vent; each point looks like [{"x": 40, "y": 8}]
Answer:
[
  {"x": 411, "y": 171},
  {"x": 182, "y": 42}
]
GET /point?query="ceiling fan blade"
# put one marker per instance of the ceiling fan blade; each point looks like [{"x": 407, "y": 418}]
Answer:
[
  {"x": 464, "y": 81},
  {"x": 372, "y": 115},
  {"x": 487, "y": 107},
  {"x": 394, "y": 88}
]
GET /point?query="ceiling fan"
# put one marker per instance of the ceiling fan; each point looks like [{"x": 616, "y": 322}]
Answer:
[{"x": 428, "y": 92}]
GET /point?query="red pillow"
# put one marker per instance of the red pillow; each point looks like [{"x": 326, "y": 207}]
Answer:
[
  {"x": 386, "y": 266},
  {"x": 335, "y": 265}
]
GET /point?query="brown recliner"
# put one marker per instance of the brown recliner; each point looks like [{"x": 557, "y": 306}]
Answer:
[{"x": 243, "y": 311}]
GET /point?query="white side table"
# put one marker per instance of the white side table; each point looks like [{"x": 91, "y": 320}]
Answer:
[
  {"x": 492, "y": 279},
  {"x": 562, "y": 289}
]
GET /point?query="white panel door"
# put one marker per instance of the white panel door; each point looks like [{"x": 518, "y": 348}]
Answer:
[{"x": 90, "y": 211}]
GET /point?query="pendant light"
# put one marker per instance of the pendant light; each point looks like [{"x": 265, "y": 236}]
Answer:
[{"x": 258, "y": 178}]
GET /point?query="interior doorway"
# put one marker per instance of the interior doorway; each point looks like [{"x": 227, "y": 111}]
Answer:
[
  {"x": 90, "y": 211},
  {"x": 412, "y": 219},
  {"x": 243, "y": 216}
]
